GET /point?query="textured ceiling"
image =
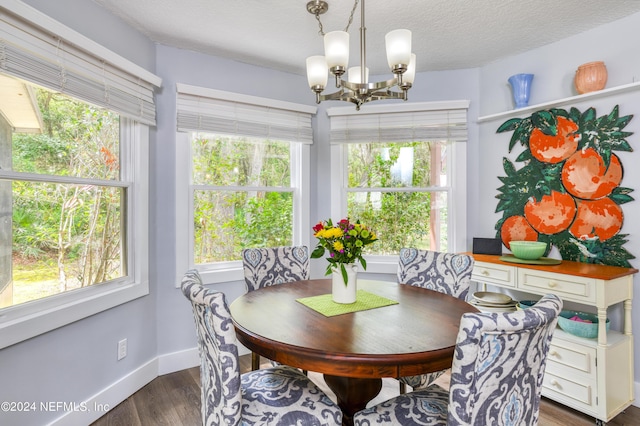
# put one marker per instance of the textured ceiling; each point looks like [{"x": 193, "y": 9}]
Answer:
[{"x": 447, "y": 34}]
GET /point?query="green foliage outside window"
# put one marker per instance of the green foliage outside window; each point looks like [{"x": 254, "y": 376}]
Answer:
[
  {"x": 398, "y": 207},
  {"x": 245, "y": 200},
  {"x": 74, "y": 229}
]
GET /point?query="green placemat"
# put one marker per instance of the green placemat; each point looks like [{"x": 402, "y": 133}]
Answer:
[{"x": 327, "y": 307}]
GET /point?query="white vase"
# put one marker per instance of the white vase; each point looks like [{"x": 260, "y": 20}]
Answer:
[{"x": 344, "y": 292}]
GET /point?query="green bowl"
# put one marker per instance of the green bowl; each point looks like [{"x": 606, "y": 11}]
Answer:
[
  {"x": 588, "y": 330},
  {"x": 525, "y": 304},
  {"x": 528, "y": 250}
]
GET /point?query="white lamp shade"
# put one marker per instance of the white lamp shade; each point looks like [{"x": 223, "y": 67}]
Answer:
[
  {"x": 398, "y": 44},
  {"x": 336, "y": 48},
  {"x": 410, "y": 74},
  {"x": 317, "y": 72},
  {"x": 354, "y": 75}
]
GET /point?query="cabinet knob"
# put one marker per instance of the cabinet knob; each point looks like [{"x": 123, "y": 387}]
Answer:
[
  {"x": 485, "y": 273},
  {"x": 552, "y": 284},
  {"x": 555, "y": 383},
  {"x": 553, "y": 353}
]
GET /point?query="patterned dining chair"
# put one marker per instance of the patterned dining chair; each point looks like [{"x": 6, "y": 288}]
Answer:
[
  {"x": 278, "y": 395},
  {"x": 448, "y": 273},
  {"x": 496, "y": 376},
  {"x": 265, "y": 267}
]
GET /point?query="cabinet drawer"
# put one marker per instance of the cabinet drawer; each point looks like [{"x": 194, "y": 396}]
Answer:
[
  {"x": 571, "y": 360},
  {"x": 501, "y": 275},
  {"x": 580, "y": 395},
  {"x": 565, "y": 286}
]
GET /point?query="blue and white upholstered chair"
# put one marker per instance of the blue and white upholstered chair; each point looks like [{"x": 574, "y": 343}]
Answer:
[
  {"x": 264, "y": 267},
  {"x": 496, "y": 376},
  {"x": 278, "y": 395},
  {"x": 448, "y": 273}
]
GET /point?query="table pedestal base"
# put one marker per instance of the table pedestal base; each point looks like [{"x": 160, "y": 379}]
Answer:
[{"x": 353, "y": 394}]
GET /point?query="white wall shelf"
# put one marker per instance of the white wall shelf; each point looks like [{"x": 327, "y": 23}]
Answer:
[{"x": 545, "y": 105}]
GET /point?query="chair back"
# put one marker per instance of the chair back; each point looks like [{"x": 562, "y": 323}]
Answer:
[
  {"x": 498, "y": 366},
  {"x": 448, "y": 273},
  {"x": 264, "y": 267},
  {"x": 219, "y": 363}
]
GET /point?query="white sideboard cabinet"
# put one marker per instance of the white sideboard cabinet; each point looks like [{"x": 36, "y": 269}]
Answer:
[{"x": 594, "y": 376}]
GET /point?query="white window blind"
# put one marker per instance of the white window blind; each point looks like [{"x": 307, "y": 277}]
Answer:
[
  {"x": 208, "y": 110},
  {"x": 416, "y": 122},
  {"x": 32, "y": 53}
]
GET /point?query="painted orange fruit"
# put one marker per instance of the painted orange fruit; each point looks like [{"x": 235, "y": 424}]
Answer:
[
  {"x": 554, "y": 149},
  {"x": 516, "y": 228},
  {"x": 597, "y": 218},
  {"x": 585, "y": 175},
  {"x": 552, "y": 214}
]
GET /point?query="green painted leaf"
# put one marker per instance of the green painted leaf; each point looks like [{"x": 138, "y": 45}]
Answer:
[
  {"x": 509, "y": 125},
  {"x": 521, "y": 134},
  {"x": 575, "y": 115},
  {"x": 508, "y": 166},
  {"x": 525, "y": 156},
  {"x": 588, "y": 116},
  {"x": 620, "y": 195},
  {"x": 622, "y": 122},
  {"x": 559, "y": 112},
  {"x": 545, "y": 121}
]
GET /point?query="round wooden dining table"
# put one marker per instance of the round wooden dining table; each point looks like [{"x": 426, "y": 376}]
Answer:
[{"x": 355, "y": 350}]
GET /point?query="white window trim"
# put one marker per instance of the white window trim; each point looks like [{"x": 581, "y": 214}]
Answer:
[
  {"x": 457, "y": 202},
  {"x": 222, "y": 272},
  {"x": 21, "y": 322}
]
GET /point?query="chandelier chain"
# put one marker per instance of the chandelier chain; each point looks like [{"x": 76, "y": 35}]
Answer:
[
  {"x": 355, "y": 5},
  {"x": 322, "y": 33}
]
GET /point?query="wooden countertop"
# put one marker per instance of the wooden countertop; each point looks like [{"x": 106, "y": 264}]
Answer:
[{"x": 589, "y": 270}]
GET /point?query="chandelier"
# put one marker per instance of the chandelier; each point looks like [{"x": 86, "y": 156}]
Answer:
[{"x": 357, "y": 88}]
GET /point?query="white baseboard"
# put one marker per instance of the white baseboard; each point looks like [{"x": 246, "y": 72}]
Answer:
[
  {"x": 96, "y": 406},
  {"x": 177, "y": 361},
  {"x": 109, "y": 397}
]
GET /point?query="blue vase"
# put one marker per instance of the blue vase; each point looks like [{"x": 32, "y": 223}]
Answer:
[{"x": 521, "y": 88}]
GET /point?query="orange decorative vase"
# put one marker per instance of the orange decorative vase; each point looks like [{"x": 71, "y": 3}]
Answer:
[{"x": 590, "y": 77}]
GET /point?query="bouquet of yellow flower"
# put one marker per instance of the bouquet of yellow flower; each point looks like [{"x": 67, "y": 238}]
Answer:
[{"x": 344, "y": 242}]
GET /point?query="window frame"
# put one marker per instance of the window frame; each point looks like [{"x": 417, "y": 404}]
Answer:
[
  {"x": 456, "y": 188},
  {"x": 26, "y": 320},
  {"x": 221, "y": 272}
]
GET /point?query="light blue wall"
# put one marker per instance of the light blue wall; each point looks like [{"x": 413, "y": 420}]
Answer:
[
  {"x": 554, "y": 67},
  {"x": 77, "y": 361}
]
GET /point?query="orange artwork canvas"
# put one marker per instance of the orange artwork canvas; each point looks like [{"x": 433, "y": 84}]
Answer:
[{"x": 567, "y": 190}]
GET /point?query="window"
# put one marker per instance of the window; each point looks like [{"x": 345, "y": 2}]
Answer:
[
  {"x": 73, "y": 176},
  {"x": 402, "y": 173},
  {"x": 241, "y": 178},
  {"x": 242, "y": 196},
  {"x": 401, "y": 191}
]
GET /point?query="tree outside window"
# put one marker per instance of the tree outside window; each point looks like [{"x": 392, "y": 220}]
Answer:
[
  {"x": 62, "y": 186},
  {"x": 400, "y": 190},
  {"x": 242, "y": 195}
]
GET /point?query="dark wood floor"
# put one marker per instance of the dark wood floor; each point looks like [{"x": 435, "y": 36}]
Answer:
[{"x": 174, "y": 400}]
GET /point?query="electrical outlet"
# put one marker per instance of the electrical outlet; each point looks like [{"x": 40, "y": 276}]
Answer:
[{"x": 122, "y": 349}]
